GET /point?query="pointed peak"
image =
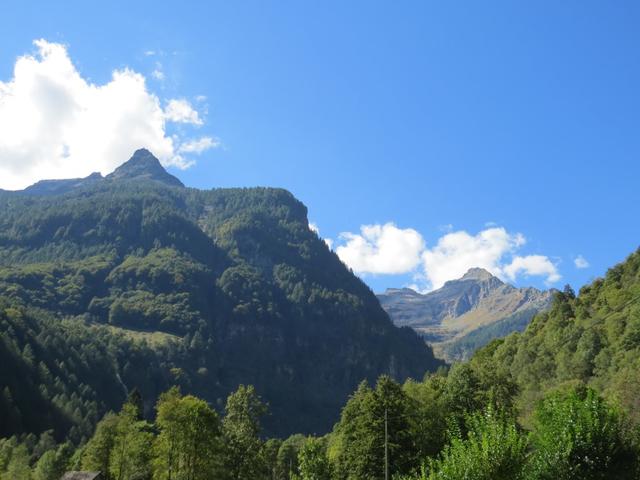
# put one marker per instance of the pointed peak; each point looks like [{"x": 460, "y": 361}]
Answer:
[
  {"x": 144, "y": 165},
  {"x": 477, "y": 274},
  {"x": 144, "y": 156}
]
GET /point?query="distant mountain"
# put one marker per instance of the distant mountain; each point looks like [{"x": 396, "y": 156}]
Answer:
[
  {"x": 141, "y": 166},
  {"x": 133, "y": 281},
  {"x": 144, "y": 166},
  {"x": 465, "y": 314}
]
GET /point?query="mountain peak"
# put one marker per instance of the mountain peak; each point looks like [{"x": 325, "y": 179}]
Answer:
[
  {"x": 477, "y": 274},
  {"x": 465, "y": 313},
  {"x": 144, "y": 165}
]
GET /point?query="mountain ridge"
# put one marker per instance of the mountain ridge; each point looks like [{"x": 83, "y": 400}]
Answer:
[
  {"x": 155, "y": 285},
  {"x": 475, "y": 302},
  {"x": 142, "y": 165}
]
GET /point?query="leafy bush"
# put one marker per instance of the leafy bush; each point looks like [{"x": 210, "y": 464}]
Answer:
[{"x": 579, "y": 436}]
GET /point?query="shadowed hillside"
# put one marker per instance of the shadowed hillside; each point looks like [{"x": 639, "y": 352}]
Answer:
[{"x": 132, "y": 280}]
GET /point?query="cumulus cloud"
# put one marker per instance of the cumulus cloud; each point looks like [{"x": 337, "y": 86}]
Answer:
[
  {"x": 57, "y": 124},
  {"x": 381, "y": 249},
  {"x": 181, "y": 111},
  {"x": 532, "y": 265},
  {"x": 580, "y": 262},
  {"x": 387, "y": 249},
  {"x": 199, "y": 145},
  {"x": 457, "y": 252}
]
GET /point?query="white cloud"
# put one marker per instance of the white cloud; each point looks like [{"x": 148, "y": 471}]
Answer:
[
  {"x": 386, "y": 249},
  {"x": 580, "y": 262},
  {"x": 537, "y": 265},
  {"x": 181, "y": 111},
  {"x": 199, "y": 145},
  {"x": 56, "y": 124},
  {"x": 457, "y": 252},
  {"x": 381, "y": 249}
]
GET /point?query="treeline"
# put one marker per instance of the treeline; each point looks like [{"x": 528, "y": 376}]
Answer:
[
  {"x": 591, "y": 338},
  {"x": 461, "y": 424},
  {"x": 62, "y": 375}
]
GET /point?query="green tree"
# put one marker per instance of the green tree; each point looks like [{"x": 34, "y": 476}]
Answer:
[
  {"x": 428, "y": 414},
  {"x": 269, "y": 458},
  {"x": 53, "y": 463},
  {"x": 241, "y": 430},
  {"x": 18, "y": 468},
  {"x": 135, "y": 399},
  {"x": 7, "y": 445},
  {"x": 493, "y": 449},
  {"x": 131, "y": 454},
  {"x": 96, "y": 455},
  {"x": 362, "y": 432},
  {"x": 579, "y": 436},
  {"x": 287, "y": 458},
  {"x": 189, "y": 445},
  {"x": 47, "y": 468},
  {"x": 313, "y": 463}
]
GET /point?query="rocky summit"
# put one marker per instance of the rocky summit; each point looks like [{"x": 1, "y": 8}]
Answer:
[
  {"x": 142, "y": 165},
  {"x": 465, "y": 314}
]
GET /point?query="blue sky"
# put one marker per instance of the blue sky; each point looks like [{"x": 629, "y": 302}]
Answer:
[{"x": 516, "y": 119}]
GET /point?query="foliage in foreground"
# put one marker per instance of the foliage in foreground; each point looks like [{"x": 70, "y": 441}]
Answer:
[
  {"x": 556, "y": 402},
  {"x": 494, "y": 448},
  {"x": 576, "y": 435}
]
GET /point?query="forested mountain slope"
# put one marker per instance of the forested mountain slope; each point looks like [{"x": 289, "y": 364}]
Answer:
[
  {"x": 592, "y": 338},
  {"x": 133, "y": 281}
]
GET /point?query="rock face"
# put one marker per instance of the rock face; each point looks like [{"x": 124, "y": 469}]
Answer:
[
  {"x": 466, "y": 313},
  {"x": 143, "y": 165}
]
